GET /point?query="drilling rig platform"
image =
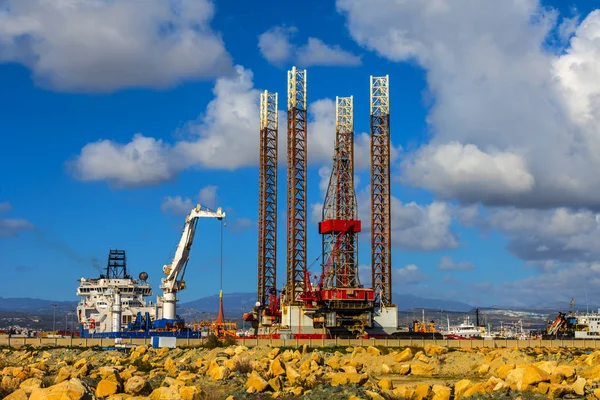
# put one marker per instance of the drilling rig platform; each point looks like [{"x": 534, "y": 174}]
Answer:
[{"x": 333, "y": 302}]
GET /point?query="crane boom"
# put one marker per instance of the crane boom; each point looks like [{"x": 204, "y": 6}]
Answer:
[{"x": 173, "y": 280}]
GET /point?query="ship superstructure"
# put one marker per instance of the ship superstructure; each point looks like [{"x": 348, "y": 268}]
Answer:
[{"x": 112, "y": 302}]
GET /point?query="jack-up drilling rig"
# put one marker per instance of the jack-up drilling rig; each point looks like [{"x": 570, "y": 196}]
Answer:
[
  {"x": 337, "y": 303},
  {"x": 342, "y": 305}
]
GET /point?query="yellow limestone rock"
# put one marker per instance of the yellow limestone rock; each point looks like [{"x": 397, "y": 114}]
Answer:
[
  {"x": 186, "y": 377},
  {"x": 461, "y": 387},
  {"x": 593, "y": 358},
  {"x": 533, "y": 375},
  {"x": 579, "y": 386},
  {"x": 494, "y": 384},
  {"x": 597, "y": 393},
  {"x": 292, "y": 375},
  {"x": 230, "y": 351},
  {"x": 543, "y": 387},
  {"x": 385, "y": 384},
  {"x": 333, "y": 363},
  {"x": 67, "y": 390},
  {"x": 403, "y": 392},
  {"x": 404, "y": 355},
  {"x": 341, "y": 378},
  {"x": 403, "y": 369},
  {"x": 349, "y": 369},
  {"x": 421, "y": 370},
  {"x": 374, "y": 395},
  {"x": 276, "y": 383},
  {"x": 63, "y": 375},
  {"x": 168, "y": 381},
  {"x": 30, "y": 384},
  {"x": 256, "y": 382},
  {"x": 296, "y": 391},
  {"x": 547, "y": 366},
  {"x": 503, "y": 370},
  {"x": 287, "y": 355},
  {"x": 317, "y": 357},
  {"x": 128, "y": 373},
  {"x": 136, "y": 385},
  {"x": 421, "y": 391},
  {"x": 276, "y": 368},
  {"x": 165, "y": 393},
  {"x": 274, "y": 353},
  {"x": 484, "y": 369},
  {"x": 18, "y": 394},
  {"x": 107, "y": 387},
  {"x": 373, "y": 350},
  {"x": 441, "y": 392},
  {"x": 478, "y": 388},
  {"x": 556, "y": 391},
  {"x": 190, "y": 392},
  {"x": 385, "y": 369},
  {"x": 80, "y": 363},
  {"x": 434, "y": 350},
  {"x": 218, "y": 373}
]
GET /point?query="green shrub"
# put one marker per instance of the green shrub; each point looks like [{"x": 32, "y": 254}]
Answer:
[
  {"x": 243, "y": 366},
  {"x": 212, "y": 342}
]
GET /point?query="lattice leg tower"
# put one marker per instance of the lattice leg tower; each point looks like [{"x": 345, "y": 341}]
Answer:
[
  {"x": 340, "y": 215},
  {"x": 296, "y": 184},
  {"x": 267, "y": 221},
  {"x": 380, "y": 191}
]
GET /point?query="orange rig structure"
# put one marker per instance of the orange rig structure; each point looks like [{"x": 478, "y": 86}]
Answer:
[{"x": 336, "y": 303}]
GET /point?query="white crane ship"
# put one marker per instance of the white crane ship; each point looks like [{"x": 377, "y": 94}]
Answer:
[
  {"x": 115, "y": 305},
  {"x": 113, "y": 301}
]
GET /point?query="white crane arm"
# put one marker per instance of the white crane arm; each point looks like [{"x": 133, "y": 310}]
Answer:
[{"x": 173, "y": 270}]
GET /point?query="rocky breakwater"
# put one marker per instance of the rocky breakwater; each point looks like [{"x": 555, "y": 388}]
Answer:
[{"x": 237, "y": 372}]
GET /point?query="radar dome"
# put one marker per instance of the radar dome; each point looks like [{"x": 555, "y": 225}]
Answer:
[{"x": 143, "y": 276}]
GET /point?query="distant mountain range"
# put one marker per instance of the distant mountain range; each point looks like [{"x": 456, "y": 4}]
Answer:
[
  {"x": 27, "y": 304},
  {"x": 236, "y": 302},
  {"x": 231, "y": 302}
]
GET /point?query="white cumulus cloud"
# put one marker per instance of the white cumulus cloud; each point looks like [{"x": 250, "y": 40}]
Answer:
[
  {"x": 103, "y": 45},
  {"x": 316, "y": 52},
  {"x": 225, "y": 136},
  {"x": 513, "y": 120},
  {"x": 143, "y": 161},
  {"x": 447, "y": 264},
  {"x": 177, "y": 205},
  {"x": 276, "y": 46},
  {"x": 409, "y": 275},
  {"x": 208, "y": 196},
  {"x": 464, "y": 172},
  {"x": 10, "y": 227}
]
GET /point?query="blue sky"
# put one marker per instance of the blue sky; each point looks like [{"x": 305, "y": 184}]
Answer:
[{"x": 112, "y": 127}]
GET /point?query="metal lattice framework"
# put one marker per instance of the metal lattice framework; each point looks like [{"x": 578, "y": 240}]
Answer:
[
  {"x": 340, "y": 205},
  {"x": 296, "y": 184},
  {"x": 381, "y": 256},
  {"x": 267, "y": 214}
]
